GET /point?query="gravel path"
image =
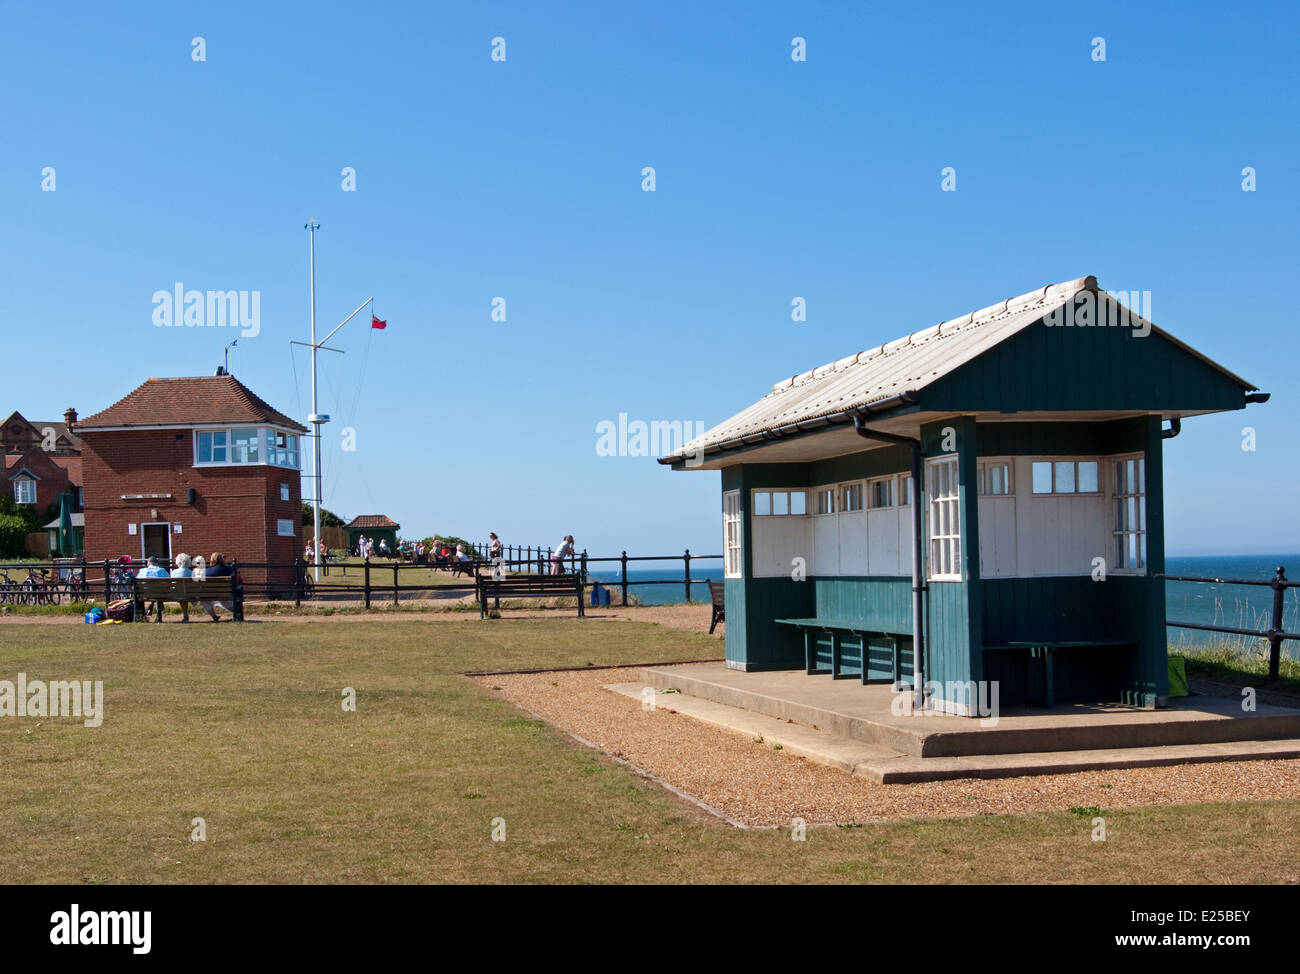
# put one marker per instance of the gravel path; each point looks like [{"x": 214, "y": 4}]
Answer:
[{"x": 759, "y": 786}]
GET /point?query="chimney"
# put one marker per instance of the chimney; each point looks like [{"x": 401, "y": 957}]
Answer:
[{"x": 69, "y": 418}]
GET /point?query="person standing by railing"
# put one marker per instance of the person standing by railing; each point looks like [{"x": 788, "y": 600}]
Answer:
[{"x": 565, "y": 550}]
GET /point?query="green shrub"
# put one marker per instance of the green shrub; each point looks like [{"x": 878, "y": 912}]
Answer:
[{"x": 13, "y": 536}]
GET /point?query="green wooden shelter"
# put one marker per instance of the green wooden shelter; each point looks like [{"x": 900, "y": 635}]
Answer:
[
  {"x": 1032, "y": 434},
  {"x": 376, "y": 527}
]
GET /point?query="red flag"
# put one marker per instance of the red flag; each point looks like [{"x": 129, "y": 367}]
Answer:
[{"x": 376, "y": 323}]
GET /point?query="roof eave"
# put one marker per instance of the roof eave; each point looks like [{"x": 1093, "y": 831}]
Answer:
[{"x": 900, "y": 404}]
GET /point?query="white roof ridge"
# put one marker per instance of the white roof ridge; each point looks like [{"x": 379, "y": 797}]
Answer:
[{"x": 1050, "y": 294}]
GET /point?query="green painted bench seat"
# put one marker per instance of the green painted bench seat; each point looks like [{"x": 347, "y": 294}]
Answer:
[
  {"x": 834, "y": 627},
  {"x": 1045, "y": 649}
]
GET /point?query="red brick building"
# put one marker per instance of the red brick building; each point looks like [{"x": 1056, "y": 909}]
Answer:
[
  {"x": 198, "y": 465},
  {"x": 41, "y": 460}
]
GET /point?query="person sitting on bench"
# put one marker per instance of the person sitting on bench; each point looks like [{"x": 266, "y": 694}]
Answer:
[
  {"x": 184, "y": 569},
  {"x": 216, "y": 569},
  {"x": 153, "y": 569}
]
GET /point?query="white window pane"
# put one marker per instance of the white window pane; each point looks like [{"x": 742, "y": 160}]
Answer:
[
  {"x": 798, "y": 502},
  {"x": 1065, "y": 477},
  {"x": 780, "y": 502},
  {"x": 1042, "y": 477},
  {"x": 1087, "y": 476},
  {"x": 762, "y": 503}
]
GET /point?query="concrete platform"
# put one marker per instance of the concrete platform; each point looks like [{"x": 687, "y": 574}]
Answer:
[
  {"x": 890, "y": 767},
  {"x": 846, "y": 725}
]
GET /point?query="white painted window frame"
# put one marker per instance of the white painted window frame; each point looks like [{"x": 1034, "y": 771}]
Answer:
[
  {"x": 943, "y": 511},
  {"x": 733, "y": 565},
  {"x": 1009, "y": 464},
  {"x": 266, "y": 448},
  {"x": 844, "y": 491},
  {"x": 867, "y": 494},
  {"x": 772, "y": 492},
  {"x": 1120, "y": 497},
  {"x": 21, "y": 486},
  {"x": 1098, "y": 460}
]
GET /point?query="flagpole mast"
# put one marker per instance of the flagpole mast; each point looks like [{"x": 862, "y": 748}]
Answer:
[
  {"x": 316, "y": 418},
  {"x": 311, "y": 227}
]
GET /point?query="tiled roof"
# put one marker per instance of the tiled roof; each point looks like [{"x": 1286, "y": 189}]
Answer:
[
  {"x": 72, "y": 465},
  {"x": 884, "y": 373},
  {"x": 373, "y": 521},
  {"x": 60, "y": 429},
  {"x": 190, "y": 401}
]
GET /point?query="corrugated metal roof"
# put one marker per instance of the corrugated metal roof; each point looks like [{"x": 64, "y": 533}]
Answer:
[{"x": 883, "y": 373}]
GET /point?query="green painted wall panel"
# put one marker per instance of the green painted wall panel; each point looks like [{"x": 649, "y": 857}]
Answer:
[
  {"x": 872, "y": 463},
  {"x": 1056, "y": 368},
  {"x": 881, "y": 602},
  {"x": 1060, "y": 439}
]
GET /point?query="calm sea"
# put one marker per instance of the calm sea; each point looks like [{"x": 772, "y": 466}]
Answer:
[{"x": 1212, "y": 603}]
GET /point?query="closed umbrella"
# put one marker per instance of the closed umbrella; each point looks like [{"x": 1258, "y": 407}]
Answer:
[{"x": 67, "y": 541}]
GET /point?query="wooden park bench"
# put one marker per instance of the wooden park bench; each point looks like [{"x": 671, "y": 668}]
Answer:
[
  {"x": 222, "y": 588},
  {"x": 719, "y": 592},
  {"x": 522, "y": 586},
  {"x": 834, "y": 628}
]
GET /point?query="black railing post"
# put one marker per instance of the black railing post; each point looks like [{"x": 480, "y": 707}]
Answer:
[
  {"x": 1275, "y": 631},
  {"x": 544, "y": 567},
  {"x": 584, "y": 564},
  {"x": 624, "y": 584},
  {"x": 686, "y": 560},
  {"x": 365, "y": 585},
  {"x": 395, "y": 583},
  {"x": 108, "y": 586},
  {"x": 299, "y": 579}
]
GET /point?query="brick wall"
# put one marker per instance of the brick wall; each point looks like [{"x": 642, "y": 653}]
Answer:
[{"x": 235, "y": 511}]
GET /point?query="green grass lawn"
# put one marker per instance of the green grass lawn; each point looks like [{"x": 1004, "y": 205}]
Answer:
[
  {"x": 242, "y": 725},
  {"x": 352, "y": 574}
]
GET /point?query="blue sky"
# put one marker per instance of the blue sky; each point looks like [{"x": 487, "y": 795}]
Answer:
[{"x": 521, "y": 179}]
